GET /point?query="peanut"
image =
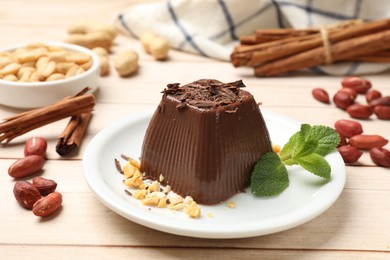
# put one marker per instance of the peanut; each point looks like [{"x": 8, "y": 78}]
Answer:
[
  {"x": 11, "y": 68},
  {"x": 361, "y": 85},
  {"x": 126, "y": 63},
  {"x": 104, "y": 65},
  {"x": 145, "y": 39},
  {"x": 10, "y": 77},
  {"x": 343, "y": 99},
  {"x": 100, "y": 51},
  {"x": 104, "y": 61},
  {"x": 22, "y": 71},
  {"x": 380, "y": 156},
  {"x": 55, "y": 76},
  {"x": 4, "y": 61},
  {"x": 47, "y": 205},
  {"x": 349, "y": 91},
  {"x": 155, "y": 45},
  {"x": 343, "y": 140},
  {"x": 44, "y": 186},
  {"x": 63, "y": 67},
  {"x": 359, "y": 111},
  {"x": 26, "y": 166},
  {"x": 58, "y": 56},
  {"x": 321, "y": 95},
  {"x": 382, "y": 112},
  {"x": 373, "y": 94},
  {"x": 91, "y": 40},
  {"x": 26, "y": 194},
  {"x": 159, "y": 48},
  {"x": 86, "y": 28},
  {"x": 350, "y": 154},
  {"x": 348, "y": 128},
  {"x": 35, "y": 146},
  {"x": 367, "y": 142},
  {"x": 382, "y": 101},
  {"x": 73, "y": 71},
  {"x": 78, "y": 58}
]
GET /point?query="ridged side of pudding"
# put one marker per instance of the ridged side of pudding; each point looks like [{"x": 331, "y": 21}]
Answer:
[{"x": 204, "y": 139}]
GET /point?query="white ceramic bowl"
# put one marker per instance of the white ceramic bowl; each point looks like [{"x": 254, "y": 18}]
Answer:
[{"x": 38, "y": 94}]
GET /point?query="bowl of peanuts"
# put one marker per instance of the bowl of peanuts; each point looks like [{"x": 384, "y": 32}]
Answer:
[{"x": 39, "y": 74}]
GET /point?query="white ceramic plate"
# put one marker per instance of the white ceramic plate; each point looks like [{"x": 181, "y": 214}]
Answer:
[{"x": 306, "y": 197}]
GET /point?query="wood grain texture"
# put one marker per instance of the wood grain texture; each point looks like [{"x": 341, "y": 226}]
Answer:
[{"x": 355, "y": 227}]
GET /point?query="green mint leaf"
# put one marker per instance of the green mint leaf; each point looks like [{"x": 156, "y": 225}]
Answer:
[
  {"x": 315, "y": 164},
  {"x": 328, "y": 139},
  {"x": 305, "y": 143},
  {"x": 289, "y": 147},
  {"x": 269, "y": 176}
]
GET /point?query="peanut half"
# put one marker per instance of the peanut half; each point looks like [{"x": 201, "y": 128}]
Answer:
[
  {"x": 361, "y": 85},
  {"x": 321, "y": 95},
  {"x": 35, "y": 145},
  {"x": 380, "y": 156},
  {"x": 26, "y": 166},
  {"x": 348, "y": 128},
  {"x": 367, "y": 142},
  {"x": 26, "y": 194},
  {"x": 47, "y": 205},
  {"x": 44, "y": 186}
]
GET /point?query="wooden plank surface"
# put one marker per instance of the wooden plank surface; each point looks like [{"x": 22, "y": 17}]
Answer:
[{"x": 355, "y": 227}]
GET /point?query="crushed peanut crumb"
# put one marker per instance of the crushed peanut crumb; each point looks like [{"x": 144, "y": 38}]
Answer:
[{"x": 231, "y": 205}]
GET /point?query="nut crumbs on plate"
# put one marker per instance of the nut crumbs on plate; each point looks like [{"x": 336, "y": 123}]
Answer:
[{"x": 151, "y": 193}]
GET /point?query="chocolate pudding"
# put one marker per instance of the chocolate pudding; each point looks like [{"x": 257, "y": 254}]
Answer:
[{"x": 204, "y": 139}]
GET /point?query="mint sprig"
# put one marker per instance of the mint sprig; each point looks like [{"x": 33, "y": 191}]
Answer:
[{"x": 306, "y": 148}]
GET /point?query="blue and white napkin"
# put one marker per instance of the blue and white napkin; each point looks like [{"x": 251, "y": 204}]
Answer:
[{"x": 211, "y": 28}]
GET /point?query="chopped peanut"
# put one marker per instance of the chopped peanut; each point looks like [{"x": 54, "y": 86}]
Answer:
[
  {"x": 188, "y": 200},
  {"x": 162, "y": 203},
  {"x": 135, "y": 163},
  {"x": 177, "y": 207},
  {"x": 135, "y": 180},
  {"x": 151, "y": 201},
  {"x": 231, "y": 204},
  {"x": 154, "y": 186},
  {"x": 139, "y": 194},
  {"x": 166, "y": 189},
  {"x": 193, "y": 210},
  {"x": 175, "y": 199},
  {"x": 129, "y": 170},
  {"x": 157, "y": 194}
]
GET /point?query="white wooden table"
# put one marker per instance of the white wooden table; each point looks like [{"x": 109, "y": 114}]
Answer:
[{"x": 357, "y": 226}]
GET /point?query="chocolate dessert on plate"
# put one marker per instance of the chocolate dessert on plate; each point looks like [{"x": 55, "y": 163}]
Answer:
[{"x": 204, "y": 140}]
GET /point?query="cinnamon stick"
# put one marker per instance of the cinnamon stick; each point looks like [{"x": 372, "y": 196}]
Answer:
[
  {"x": 20, "y": 124},
  {"x": 70, "y": 139}
]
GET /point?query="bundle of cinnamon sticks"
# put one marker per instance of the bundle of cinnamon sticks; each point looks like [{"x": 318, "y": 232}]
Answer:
[{"x": 273, "y": 52}]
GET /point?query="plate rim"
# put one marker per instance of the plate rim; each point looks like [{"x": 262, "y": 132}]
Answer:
[{"x": 105, "y": 195}]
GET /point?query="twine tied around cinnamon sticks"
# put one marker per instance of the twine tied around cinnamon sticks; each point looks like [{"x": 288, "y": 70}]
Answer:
[{"x": 276, "y": 51}]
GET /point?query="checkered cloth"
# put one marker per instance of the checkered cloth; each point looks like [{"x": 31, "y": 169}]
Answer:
[{"x": 211, "y": 27}]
